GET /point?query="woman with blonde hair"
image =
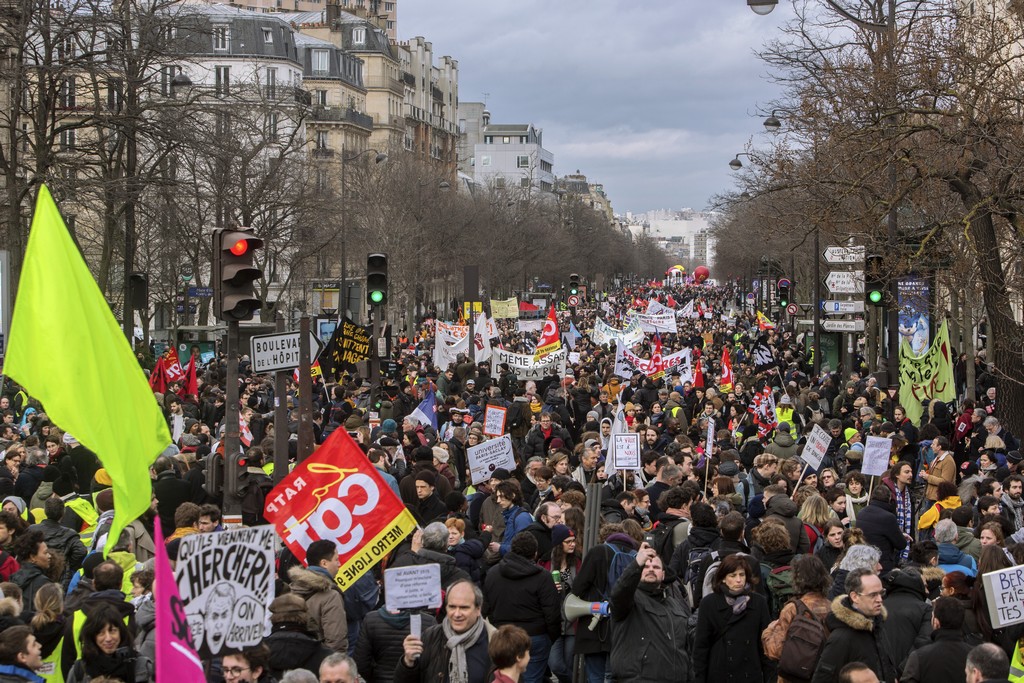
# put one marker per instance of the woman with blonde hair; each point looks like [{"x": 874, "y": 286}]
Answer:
[
  {"x": 48, "y": 625},
  {"x": 815, "y": 513}
]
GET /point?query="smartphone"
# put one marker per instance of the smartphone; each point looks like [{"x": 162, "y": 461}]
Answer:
[{"x": 415, "y": 625}]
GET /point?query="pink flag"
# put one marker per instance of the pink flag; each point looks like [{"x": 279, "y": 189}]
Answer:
[{"x": 176, "y": 658}]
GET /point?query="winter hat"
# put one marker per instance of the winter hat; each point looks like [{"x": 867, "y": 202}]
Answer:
[
  {"x": 440, "y": 454},
  {"x": 389, "y": 426},
  {"x": 849, "y": 433},
  {"x": 501, "y": 474},
  {"x": 556, "y": 443},
  {"x": 68, "y": 439},
  {"x": 560, "y": 533},
  {"x": 784, "y": 426},
  {"x": 968, "y": 469},
  {"x": 50, "y": 473},
  {"x": 92, "y": 560},
  {"x": 289, "y": 609},
  {"x": 427, "y": 477},
  {"x": 103, "y": 478},
  {"x": 423, "y": 454},
  {"x": 591, "y": 443},
  {"x": 851, "y": 385},
  {"x": 786, "y": 400},
  {"x": 18, "y": 503},
  {"x": 189, "y": 440},
  {"x": 353, "y": 422},
  {"x": 1013, "y": 456},
  {"x": 728, "y": 469},
  {"x": 63, "y": 486}
]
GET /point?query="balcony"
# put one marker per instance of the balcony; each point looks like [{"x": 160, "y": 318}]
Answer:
[
  {"x": 385, "y": 83},
  {"x": 323, "y": 153},
  {"x": 321, "y": 113}
]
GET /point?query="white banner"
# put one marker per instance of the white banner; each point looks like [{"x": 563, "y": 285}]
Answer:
[
  {"x": 627, "y": 362},
  {"x": 445, "y": 354},
  {"x": 526, "y": 367},
  {"x": 686, "y": 311},
  {"x": 629, "y": 336},
  {"x": 816, "y": 447},
  {"x": 876, "y": 456},
  {"x": 665, "y": 323},
  {"x": 657, "y": 308},
  {"x": 488, "y": 456},
  {"x": 531, "y": 325}
]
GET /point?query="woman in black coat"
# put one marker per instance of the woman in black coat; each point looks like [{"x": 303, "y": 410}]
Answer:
[{"x": 729, "y": 626}]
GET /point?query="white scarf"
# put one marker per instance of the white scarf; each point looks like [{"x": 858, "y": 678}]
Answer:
[{"x": 458, "y": 643}]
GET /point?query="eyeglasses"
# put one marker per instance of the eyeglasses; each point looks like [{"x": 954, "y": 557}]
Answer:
[
  {"x": 235, "y": 670},
  {"x": 871, "y": 596}
]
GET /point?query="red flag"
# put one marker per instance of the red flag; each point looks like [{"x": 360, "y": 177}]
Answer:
[
  {"x": 725, "y": 384},
  {"x": 698, "y": 375},
  {"x": 550, "y": 340},
  {"x": 190, "y": 386},
  {"x": 172, "y": 367},
  {"x": 670, "y": 302},
  {"x": 158, "y": 377}
]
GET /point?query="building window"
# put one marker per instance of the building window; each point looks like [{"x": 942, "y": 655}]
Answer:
[
  {"x": 321, "y": 98},
  {"x": 485, "y": 161},
  {"x": 321, "y": 139},
  {"x": 359, "y": 36},
  {"x": 524, "y": 182},
  {"x": 68, "y": 97},
  {"x": 268, "y": 36},
  {"x": 220, "y": 37},
  {"x": 522, "y": 139},
  {"x": 271, "y": 83},
  {"x": 115, "y": 94},
  {"x": 67, "y": 140},
  {"x": 320, "y": 62},
  {"x": 506, "y": 140},
  {"x": 222, "y": 80},
  {"x": 272, "y": 127},
  {"x": 389, "y": 7},
  {"x": 488, "y": 140},
  {"x": 523, "y": 161},
  {"x": 223, "y": 123},
  {"x": 391, "y": 26},
  {"x": 462, "y": 126},
  {"x": 499, "y": 182}
]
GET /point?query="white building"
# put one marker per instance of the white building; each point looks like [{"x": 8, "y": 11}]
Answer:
[{"x": 507, "y": 155}]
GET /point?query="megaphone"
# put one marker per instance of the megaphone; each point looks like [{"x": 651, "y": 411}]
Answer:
[{"x": 574, "y": 608}]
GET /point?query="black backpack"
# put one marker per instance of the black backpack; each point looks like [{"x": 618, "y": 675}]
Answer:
[
  {"x": 805, "y": 639},
  {"x": 692, "y": 576},
  {"x": 661, "y": 539}
]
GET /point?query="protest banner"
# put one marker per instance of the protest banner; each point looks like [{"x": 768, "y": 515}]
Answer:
[
  {"x": 629, "y": 336},
  {"x": 658, "y": 308},
  {"x": 1004, "y": 592},
  {"x": 531, "y": 325},
  {"x": 574, "y": 357},
  {"x": 527, "y": 367},
  {"x": 494, "y": 420},
  {"x": 412, "y": 587},
  {"x": 626, "y": 451},
  {"x": 226, "y": 583},
  {"x": 876, "y": 456},
  {"x": 505, "y": 308},
  {"x": 488, "y": 456},
  {"x": 447, "y": 347},
  {"x": 816, "y": 447},
  {"x": 337, "y": 495},
  {"x": 349, "y": 344},
  {"x": 929, "y": 375},
  {"x": 627, "y": 362},
  {"x": 663, "y": 323}
]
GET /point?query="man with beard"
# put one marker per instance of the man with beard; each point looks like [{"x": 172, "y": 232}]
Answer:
[{"x": 1013, "y": 501}]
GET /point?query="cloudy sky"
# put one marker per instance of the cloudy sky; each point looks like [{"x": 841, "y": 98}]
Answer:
[{"x": 651, "y": 98}]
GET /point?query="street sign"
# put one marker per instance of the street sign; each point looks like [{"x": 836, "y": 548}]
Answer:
[
  {"x": 845, "y": 281},
  {"x": 805, "y": 322},
  {"x": 844, "y": 254},
  {"x": 574, "y": 300},
  {"x": 200, "y": 291},
  {"x": 792, "y": 309},
  {"x": 784, "y": 282},
  {"x": 842, "y": 306},
  {"x": 842, "y": 325},
  {"x": 750, "y": 297},
  {"x": 271, "y": 352}
]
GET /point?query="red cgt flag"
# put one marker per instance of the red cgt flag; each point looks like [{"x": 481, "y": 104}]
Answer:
[{"x": 336, "y": 494}]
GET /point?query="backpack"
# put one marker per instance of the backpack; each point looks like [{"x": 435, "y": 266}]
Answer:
[
  {"x": 253, "y": 502},
  {"x": 693, "y": 585},
  {"x": 620, "y": 561},
  {"x": 779, "y": 582},
  {"x": 661, "y": 539},
  {"x": 819, "y": 539},
  {"x": 804, "y": 642}
]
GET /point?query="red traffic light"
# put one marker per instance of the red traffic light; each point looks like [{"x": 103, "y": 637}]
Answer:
[{"x": 240, "y": 247}]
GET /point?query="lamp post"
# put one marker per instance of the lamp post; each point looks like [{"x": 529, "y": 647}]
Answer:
[
  {"x": 736, "y": 164},
  {"x": 379, "y": 159}
]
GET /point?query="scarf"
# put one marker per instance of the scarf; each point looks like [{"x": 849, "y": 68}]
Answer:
[
  {"x": 1014, "y": 507},
  {"x": 903, "y": 514},
  {"x": 739, "y": 600},
  {"x": 458, "y": 670}
]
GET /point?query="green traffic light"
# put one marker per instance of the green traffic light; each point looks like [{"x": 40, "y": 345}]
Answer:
[
  {"x": 574, "y": 291},
  {"x": 376, "y": 296},
  {"x": 875, "y": 296}
]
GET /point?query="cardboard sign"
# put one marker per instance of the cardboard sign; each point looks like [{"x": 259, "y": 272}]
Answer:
[
  {"x": 337, "y": 495},
  {"x": 876, "y": 456},
  {"x": 1004, "y": 590},
  {"x": 412, "y": 587},
  {"x": 817, "y": 444},
  {"x": 626, "y": 451},
  {"x": 226, "y": 582},
  {"x": 494, "y": 420},
  {"x": 488, "y": 456}
]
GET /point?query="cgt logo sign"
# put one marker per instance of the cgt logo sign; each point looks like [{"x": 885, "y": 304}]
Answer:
[{"x": 337, "y": 495}]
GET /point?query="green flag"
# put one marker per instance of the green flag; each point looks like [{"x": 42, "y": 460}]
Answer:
[
  {"x": 67, "y": 350},
  {"x": 928, "y": 376}
]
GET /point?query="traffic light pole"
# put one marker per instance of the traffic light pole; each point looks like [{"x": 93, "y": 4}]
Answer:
[
  {"x": 280, "y": 416},
  {"x": 232, "y": 505},
  {"x": 305, "y": 395},
  {"x": 377, "y": 312}
]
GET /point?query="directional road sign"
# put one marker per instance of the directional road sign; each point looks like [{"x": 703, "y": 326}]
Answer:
[
  {"x": 792, "y": 309},
  {"x": 574, "y": 300},
  {"x": 842, "y": 306},
  {"x": 845, "y": 281},
  {"x": 271, "y": 352},
  {"x": 844, "y": 254},
  {"x": 842, "y": 325}
]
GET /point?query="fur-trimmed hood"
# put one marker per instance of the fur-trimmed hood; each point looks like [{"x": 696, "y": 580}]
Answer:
[
  {"x": 843, "y": 611},
  {"x": 930, "y": 574},
  {"x": 306, "y": 582}
]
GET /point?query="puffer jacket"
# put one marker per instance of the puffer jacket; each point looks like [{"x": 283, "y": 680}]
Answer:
[
  {"x": 649, "y": 640},
  {"x": 325, "y": 604},
  {"x": 380, "y": 644},
  {"x": 909, "y": 622},
  {"x": 782, "y": 446},
  {"x": 292, "y": 647},
  {"x": 519, "y": 592},
  {"x": 854, "y": 637},
  {"x": 782, "y": 507}
]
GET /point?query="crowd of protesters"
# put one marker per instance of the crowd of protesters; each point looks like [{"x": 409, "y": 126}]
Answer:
[{"x": 729, "y": 560}]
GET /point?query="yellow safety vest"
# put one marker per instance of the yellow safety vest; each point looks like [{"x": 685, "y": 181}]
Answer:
[
  {"x": 84, "y": 509},
  {"x": 50, "y": 671},
  {"x": 1017, "y": 665},
  {"x": 77, "y": 622}
]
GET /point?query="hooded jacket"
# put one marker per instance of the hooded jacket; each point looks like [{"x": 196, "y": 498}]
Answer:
[
  {"x": 783, "y": 508},
  {"x": 881, "y": 530},
  {"x": 380, "y": 644},
  {"x": 942, "y": 661},
  {"x": 519, "y": 592},
  {"x": 292, "y": 647},
  {"x": 114, "y": 598},
  {"x": 854, "y": 637},
  {"x": 325, "y": 605},
  {"x": 30, "y": 578},
  {"x": 59, "y": 537},
  {"x": 782, "y": 446},
  {"x": 908, "y": 625}
]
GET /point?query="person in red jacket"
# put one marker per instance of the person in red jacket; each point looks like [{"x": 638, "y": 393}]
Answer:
[{"x": 963, "y": 425}]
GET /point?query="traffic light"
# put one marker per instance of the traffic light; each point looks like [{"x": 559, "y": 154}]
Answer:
[
  {"x": 574, "y": 284},
  {"x": 235, "y": 274},
  {"x": 138, "y": 291},
  {"x": 783, "y": 292},
  {"x": 874, "y": 284},
  {"x": 377, "y": 279}
]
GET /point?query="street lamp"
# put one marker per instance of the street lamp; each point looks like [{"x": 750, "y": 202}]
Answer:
[
  {"x": 762, "y": 7},
  {"x": 772, "y": 123},
  {"x": 380, "y": 158},
  {"x": 736, "y": 164}
]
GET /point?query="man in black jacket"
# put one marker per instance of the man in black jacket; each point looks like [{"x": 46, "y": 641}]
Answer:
[
  {"x": 519, "y": 592},
  {"x": 649, "y": 639},
  {"x": 170, "y": 492},
  {"x": 881, "y": 528},
  {"x": 856, "y": 630},
  {"x": 459, "y": 642},
  {"x": 943, "y": 660},
  {"x": 59, "y": 537}
]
